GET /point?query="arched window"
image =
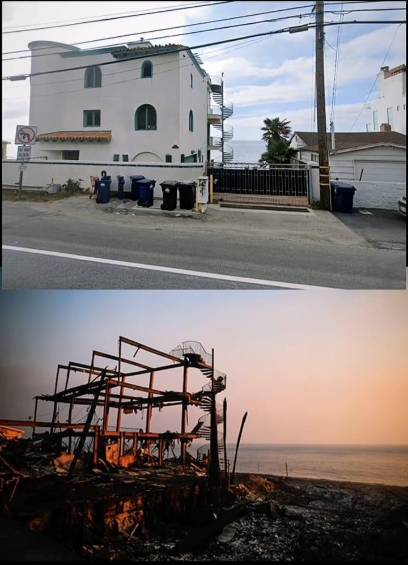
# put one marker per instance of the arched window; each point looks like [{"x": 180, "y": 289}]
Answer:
[
  {"x": 191, "y": 80},
  {"x": 147, "y": 69},
  {"x": 145, "y": 117},
  {"x": 93, "y": 77},
  {"x": 191, "y": 121}
]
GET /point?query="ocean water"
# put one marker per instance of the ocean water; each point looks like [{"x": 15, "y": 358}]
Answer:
[
  {"x": 366, "y": 464},
  {"x": 244, "y": 151}
]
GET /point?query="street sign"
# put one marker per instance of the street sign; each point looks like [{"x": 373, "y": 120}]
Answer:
[
  {"x": 26, "y": 135},
  {"x": 23, "y": 152}
]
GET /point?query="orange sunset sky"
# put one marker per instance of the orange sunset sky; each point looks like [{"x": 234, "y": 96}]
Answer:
[{"x": 309, "y": 367}]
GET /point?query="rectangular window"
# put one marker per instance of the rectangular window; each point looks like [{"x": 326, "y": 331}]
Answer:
[
  {"x": 315, "y": 157},
  {"x": 125, "y": 158},
  {"x": 116, "y": 157},
  {"x": 389, "y": 116},
  {"x": 182, "y": 158},
  {"x": 375, "y": 120},
  {"x": 70, "y": 155},
  {"x": 92, "y": 118},
  {"x": 168, "y": 158}
]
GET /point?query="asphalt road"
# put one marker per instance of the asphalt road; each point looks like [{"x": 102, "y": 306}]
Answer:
[{"x": 310, "y": 249}]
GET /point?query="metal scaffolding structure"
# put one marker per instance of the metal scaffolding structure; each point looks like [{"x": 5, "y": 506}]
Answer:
[{"x": 107, "y": 390}]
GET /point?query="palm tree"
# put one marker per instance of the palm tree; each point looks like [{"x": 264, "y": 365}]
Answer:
[
  {"x": 279, "y": 153},
  {"x": 276, "y": 130}
]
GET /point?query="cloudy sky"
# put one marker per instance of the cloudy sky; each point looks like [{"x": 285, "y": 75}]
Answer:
[
  {"x": 264, "y": 77},
  {"x": 308, "y": 367}
]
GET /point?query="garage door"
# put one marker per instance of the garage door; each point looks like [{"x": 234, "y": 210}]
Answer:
[{"x": 384, "y": 171}]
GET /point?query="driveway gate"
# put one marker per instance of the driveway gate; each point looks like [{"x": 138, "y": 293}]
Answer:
[{"x": 279, "y": 184}]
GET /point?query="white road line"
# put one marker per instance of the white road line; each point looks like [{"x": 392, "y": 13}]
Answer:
[{"x": 172, "y": 270}]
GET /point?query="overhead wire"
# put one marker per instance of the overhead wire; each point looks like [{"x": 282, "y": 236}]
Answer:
[
  {"x": 261, "y": 22},
  {"x": 292, "y": 29},
  {"x": 141, "y": 33},
  {"x": 336, "y": 63},
  {"x": 189, "y": 7},
  {"x": 81, "y": 19},
  {"x": 215, "y": 52}
]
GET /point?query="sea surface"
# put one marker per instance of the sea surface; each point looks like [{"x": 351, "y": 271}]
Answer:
[
  {"x": 366, "y": 464},
  {"x": 244, "y": 151}
]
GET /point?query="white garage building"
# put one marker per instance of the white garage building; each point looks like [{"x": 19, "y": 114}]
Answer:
[{"x": 374, "y": 162}]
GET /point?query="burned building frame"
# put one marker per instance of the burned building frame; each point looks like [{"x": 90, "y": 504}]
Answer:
[{"x": 108, "y": 389}]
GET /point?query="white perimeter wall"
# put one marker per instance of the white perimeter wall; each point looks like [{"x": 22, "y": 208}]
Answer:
[
  {"x": 382, "y": 193},
  {"x": 41, "y": 174}
]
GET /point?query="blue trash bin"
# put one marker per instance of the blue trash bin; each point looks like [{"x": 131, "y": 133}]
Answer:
[
  {"x": 146, "y": 189},
  {"x": 103, "y": 190},
  {"x": 121, "y": 187},
  {"x": 134, "y": 194},
  {"x": 343, "y": 196}
]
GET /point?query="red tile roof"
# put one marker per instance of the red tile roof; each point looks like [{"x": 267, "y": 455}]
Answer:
[{"x": 81, "y": 136}]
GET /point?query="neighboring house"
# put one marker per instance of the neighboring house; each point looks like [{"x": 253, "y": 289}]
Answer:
[
  {"x": 150, "y": 109},
  {"x": 389, "y": 108},
  {"x": 375, "y": 162},
  {"x": 4, "y": 148}
]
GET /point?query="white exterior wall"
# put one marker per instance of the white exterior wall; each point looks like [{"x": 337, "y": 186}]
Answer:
[
  {"x": 42, "y": 173},
  {"x": 195, "y": 99},
  {"x": 58, "y": 101},
  {"x": 392, "y": 94},
  {"x": 385, "y": 167}
]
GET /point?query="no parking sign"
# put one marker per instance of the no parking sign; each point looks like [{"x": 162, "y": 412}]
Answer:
[{"x": 25, "y": 135}]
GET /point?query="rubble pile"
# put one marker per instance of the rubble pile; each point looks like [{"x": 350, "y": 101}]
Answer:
[{"x": 154, "y": 513}]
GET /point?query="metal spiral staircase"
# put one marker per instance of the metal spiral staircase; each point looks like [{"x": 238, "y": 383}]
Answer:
[
  {"x": 217, "y": 91},
  {"x": 197, "y": 357}
]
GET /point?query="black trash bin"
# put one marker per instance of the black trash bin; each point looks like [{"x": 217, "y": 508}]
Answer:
[
  {"x": 343, "y": 196},
  {"x": 134, "y": 193},
  {"x": 169, "y": 188},
  {"x": 187, "y": 195},
  {"x": 146, "y": 190},
  {"x": 103, "y": 190},
  {"x": 121, "y": 187}
]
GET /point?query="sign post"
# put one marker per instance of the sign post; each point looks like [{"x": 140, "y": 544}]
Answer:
[{"x": 25, "y": 135}]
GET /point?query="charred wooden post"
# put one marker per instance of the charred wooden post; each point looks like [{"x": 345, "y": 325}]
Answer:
[
  {"x": 224, "y": 405},
  {"x": 184, "y": 416},
  {"x": 35, "y": 414},
  {"x": 237, "y": 446}
]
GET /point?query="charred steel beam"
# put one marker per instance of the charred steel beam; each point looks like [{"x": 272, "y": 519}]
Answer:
[
  {"x": 155, "y": 369},
  {"x": 117, "y": 358},
  {"x": 150, "y": 349},
  {"x": 91, "y": 412}
]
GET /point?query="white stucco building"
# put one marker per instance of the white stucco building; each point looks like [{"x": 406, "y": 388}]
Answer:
[
  {"x": 150, "y": 109},
  {"x": 389, "y": 107}
]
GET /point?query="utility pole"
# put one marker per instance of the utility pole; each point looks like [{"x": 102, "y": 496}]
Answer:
[
  {"x": 222, "y": 118},
  {"x": 324, "y": 173}
]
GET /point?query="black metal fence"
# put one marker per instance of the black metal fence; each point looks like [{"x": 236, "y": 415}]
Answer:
[{"x": 280, "y": 180}]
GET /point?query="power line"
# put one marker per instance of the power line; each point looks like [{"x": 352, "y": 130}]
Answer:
[
  {"x": 292, "y": 29},
  {"x": 214, "y": 51},
  {"x": 140, "y": 33},
  {"x": 376, "y": 78},
  {"x": 189, "y": 7},
  {"x": 336, "y": 62},
  {"x": 81, "y": 19},
  {"x": 271, "y": 20}
]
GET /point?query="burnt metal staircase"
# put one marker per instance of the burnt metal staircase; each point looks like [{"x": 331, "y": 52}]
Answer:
[{"x": 197, "y": 357}]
